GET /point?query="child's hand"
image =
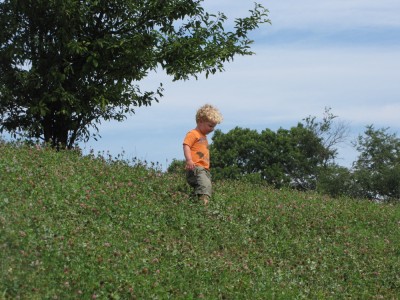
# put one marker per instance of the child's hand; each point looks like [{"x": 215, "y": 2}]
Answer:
[{"x": 189, "y": 165}]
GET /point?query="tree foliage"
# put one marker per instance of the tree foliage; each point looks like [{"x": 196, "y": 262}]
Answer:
[
  {"x": 282, "y": 158},
  {"x": 377, "y": 168},
  {"x": 66, "y": 65},
  {"x": 337, "y": 181},
  {"x": 302, "y": 157},
  {"x": 330, "y": 130}
]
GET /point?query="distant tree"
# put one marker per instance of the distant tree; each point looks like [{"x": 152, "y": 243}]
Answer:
[
  {"x": 67, "y": 65},
  {"x": 283, "y": 158},
  {"x": 377, "y": 168},
  {"x": 337, "y": 181},
  {"x": 235, "y": 153},
  {"x": 304, "y": 156},
  {"x": 177, "y": 166},
  {"x": 331, "y": 131}
]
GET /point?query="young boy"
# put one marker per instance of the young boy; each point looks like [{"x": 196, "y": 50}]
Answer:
[{"x": 195, "y": 149}]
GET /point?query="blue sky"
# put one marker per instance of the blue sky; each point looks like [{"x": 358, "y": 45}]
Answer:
[{"x": 338, "y": 53}]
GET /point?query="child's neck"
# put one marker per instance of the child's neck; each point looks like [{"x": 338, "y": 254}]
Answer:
[{"x": 199, "y": 130}]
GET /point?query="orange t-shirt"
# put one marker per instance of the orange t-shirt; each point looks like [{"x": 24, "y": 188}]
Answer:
[{"x": 198, "y": 147}]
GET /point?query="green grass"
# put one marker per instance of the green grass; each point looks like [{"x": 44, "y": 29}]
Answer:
[{"x": 74, "y": 227}]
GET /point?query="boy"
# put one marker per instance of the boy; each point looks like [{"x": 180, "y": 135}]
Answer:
[{"x": 195, "y": 149}]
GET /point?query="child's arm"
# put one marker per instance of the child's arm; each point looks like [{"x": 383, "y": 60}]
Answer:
[{"x": 188, "y": 156}]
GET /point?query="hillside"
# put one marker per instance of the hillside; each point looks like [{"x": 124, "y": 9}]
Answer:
[{"x": 74, "y": 227}]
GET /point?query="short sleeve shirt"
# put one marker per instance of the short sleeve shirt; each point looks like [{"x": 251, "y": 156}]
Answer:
[{"x": 199, "y": 148}]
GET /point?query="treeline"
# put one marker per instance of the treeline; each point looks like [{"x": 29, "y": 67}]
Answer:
[{"x": 304, "y": 158}]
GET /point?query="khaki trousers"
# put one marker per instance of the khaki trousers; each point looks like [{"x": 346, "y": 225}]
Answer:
[{"x": 200, "y": 179}]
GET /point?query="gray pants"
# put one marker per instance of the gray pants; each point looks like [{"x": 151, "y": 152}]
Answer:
[{"x": 200, "y": 179}]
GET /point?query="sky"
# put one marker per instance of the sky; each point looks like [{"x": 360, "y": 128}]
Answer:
[{"x": 337, "y": 54}]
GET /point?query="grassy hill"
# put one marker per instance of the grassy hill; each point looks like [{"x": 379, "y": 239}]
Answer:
[{"x": 74, "y": 227}]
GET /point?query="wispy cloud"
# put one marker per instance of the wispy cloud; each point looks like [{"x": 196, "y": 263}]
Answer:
[{"x": 336, "y": 14}]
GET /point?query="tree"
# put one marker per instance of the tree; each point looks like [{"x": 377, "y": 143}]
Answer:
[
  {"x": 337, "y": 181},
  {"x": 235, "y": 153},
  {"x": 302, "y": 156},
  {"x": 331, "y": 132},
  {"x": 177, "y": 166},
  {"x": 377, "y": 168},
  {"x": 282, "y": 158},
  {"x": 66, "y": 65}
]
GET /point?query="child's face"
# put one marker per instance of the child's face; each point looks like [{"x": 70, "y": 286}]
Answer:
[{"x": 206, "y": 127}]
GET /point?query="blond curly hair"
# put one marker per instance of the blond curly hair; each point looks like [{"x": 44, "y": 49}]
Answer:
[{"x": 208, "y": 113}]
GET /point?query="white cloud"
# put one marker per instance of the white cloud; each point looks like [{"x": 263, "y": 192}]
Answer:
[
  {"x": 319, "y": 14},
  {"x": 380, "y": 115},
  {"x": 291, "y": 84}
]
